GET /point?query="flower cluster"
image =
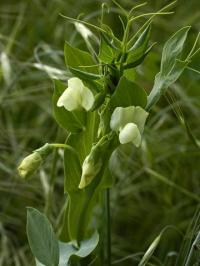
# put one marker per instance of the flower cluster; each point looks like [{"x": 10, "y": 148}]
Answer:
[{"x": 128, "y": 122}]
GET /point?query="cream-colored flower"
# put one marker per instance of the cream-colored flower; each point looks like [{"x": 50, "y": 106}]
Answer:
[
  {"x": 76, "y": 96},
  {"x": 129, "y": 122}
]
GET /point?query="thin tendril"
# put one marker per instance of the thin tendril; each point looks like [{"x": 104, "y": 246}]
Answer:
[
  {"x": 193, "y": 48},
  {"x": 149, "y": 20},
  {"x": 149, "y": 14},
  {"x": 72, "y": 20},
  {"x": 122, "y": 22},
  {"x": 193, "y": 69},
  {"x": 136, "y": 7},
  {"x": 120, "y": 7}
]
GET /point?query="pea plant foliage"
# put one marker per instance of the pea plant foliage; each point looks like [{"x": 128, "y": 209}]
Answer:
[{"x": 100, "y": 108}]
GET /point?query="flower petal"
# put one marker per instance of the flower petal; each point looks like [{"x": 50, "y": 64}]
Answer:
[
  {"x": 87, "y": 98},
  {"x": 140, "y": 117},
  {"x": 121, "y": 116},
  {"x": 130, "y": 133},
  {"x": 75, "y": 83},
  {"x": 76, "y": 96},
  {"x": 69, "y": 99}
]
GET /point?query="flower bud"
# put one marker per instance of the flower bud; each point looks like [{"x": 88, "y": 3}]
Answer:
[
  {"x": 93, "y": 163},
  {"x": 76, "y": 96},
  {"x": 30, "y": 164},
  {"x": 90, "y": 169}
]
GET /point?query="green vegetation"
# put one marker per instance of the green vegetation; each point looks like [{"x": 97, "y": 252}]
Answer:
[{"x": 154, "y": 203}]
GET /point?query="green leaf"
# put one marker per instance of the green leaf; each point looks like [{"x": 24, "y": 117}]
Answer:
[
  {"x": 84, "y": 75},
  {"x": 130, "y": 74},
  {"x": 109, "y": 37},
  {"x": 41, "y": 237},
  {"x": 106, "y": 52},
  {"x": 128, "y": 93},
  {"x": 177, "y": 69},
  {"x": 171, "y": 66},
  {"x": 142, "y": 41},
  {"x": 67, "y": 250},
  {"x": 71, "y": 121},
  {"x": 139, "y": 60},
  {"x": 161, "y": 83},
  {"x": 172, "y": 50},
  {"x": 80, "y": 62},
  {"x": 138, "y": 51}
]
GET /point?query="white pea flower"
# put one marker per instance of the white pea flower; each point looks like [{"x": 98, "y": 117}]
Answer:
[
  {"x": 129, "y": 122},
  {"x": 76, "y": 96}
]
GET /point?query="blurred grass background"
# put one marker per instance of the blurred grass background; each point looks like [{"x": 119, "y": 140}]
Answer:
[{"x": 32, "y": 36}]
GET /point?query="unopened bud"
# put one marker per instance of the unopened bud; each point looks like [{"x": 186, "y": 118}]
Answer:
[
  {"x": 30, "y": 164},
  {"x": 90, "y": 169},
  {"x": 93, "y": 163}
]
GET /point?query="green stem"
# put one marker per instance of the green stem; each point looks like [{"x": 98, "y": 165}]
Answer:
[
  {"x": 49, "y": 196},
  {"x": 59, "y": 145},
  {"x": 108, "y": 229},
  {"x": 48, "y": 202},
  {"x": 65, "y": 146}
]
